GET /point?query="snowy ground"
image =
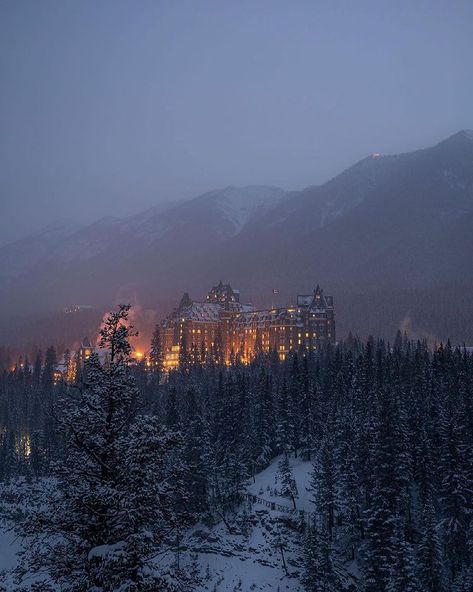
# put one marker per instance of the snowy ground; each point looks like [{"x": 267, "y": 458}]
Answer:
[
  {"x": 266, "y": 484},
  {"x": 244, "y": 560},
  {"x": 9, "y": 547},
  {"x": 250, "y": 561}
]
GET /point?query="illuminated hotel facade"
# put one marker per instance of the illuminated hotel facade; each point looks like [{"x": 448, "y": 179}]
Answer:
[{"x": 222, "y": 328}]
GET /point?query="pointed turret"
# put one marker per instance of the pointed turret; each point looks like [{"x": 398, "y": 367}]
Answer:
[
  {"x": 85, "y": 350},
  {"x": 86, "y": 342},
  {"x": 185, "y": 301}
]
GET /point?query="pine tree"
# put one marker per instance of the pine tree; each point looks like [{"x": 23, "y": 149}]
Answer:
[
  {"x": 402, "y": 566},
  {"x": 294, "y": 408},
  {"x": 193, "y": 453},
  {"x": 283, "y": 424},
  {"x": 172, "y": 414},
  {"x": 322, "y": 569},
  {"x": 288, "y": 483},
  {"x": 429, "y": 551},
  {"x": 156, "y": 354},
  {"x": 305, "y": 411},
  {"x": 36, "y": 458},
  {"x": 38, "y": 364},
  {"x": 279, "y": 542},
  {"x": 323, "y": 485},
  {"x": 464, "y": 580},
  {"x": 377, "y": 547},
  {"x": 263, "y": 441},
  {"x": 455, "y": 493},
  {"x": 8, "y": 455},
  {"x": 110, "y": 507},
  {"x": 50, "y": 361}
]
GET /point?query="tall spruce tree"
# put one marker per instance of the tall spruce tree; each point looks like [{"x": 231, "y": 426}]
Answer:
[
  {"x": 430, "y": 561},
  {"x": 106, "y": 514},
  {"x": 288, "y": 483},
  {"x": 156, "y": 354},
  {"x": 323, "y": 571}
]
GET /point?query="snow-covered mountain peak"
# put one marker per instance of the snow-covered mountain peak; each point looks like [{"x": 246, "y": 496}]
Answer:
[{"x": 239, "y": 204}]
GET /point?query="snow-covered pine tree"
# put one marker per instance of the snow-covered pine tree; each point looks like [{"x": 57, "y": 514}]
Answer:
[
  {"x": 305, "y": 414},
  {"x": 323, "y": 484},
  {"x": 383, "y": 495},
  {"x": 37, "y": 368},
  {"x": 106, "y": 514},
  {"x": 464, "y": 580},
  {"x": 294, "y": 408},
  {"x": 403, "y": 574},
  {"x": 430, "y": 564},
  {"x": 279, "y": 540},
  {"x": 322, "y": 570},
  {"x": 377, "y": 547},
  {"x": 456, "y": 490},
  {"x": 156, "y": 354},
  {"x": 288, "y": 483},
  {"x": 348, "y": 487},
  {"x": 8, "y": 456},
  {"x": 194, "y": 439},
  {"x": 50, "y": 362},
  {"x": 263, "y": 421},
  {"x": 283, "y": 431}
]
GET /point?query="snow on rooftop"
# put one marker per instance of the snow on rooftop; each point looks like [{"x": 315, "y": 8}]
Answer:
[{"x": 202, "y": 311}]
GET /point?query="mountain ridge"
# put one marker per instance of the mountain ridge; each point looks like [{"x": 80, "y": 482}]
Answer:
[{"x": 387, "y": 224}]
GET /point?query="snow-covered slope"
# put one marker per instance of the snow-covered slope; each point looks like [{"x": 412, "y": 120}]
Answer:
[
  {"x": 217, "y": 215},
  {"x": 9, "y": 547},
  {"x": 248, "y": 558},
  {"x": 63, "y": 267},
  {"x": 221, "y": 213},
  {"x": 239, "y": 205},
  {"x": 244, "y": 559}
]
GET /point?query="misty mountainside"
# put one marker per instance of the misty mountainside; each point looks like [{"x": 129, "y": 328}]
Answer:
[
  {"x": 116, "y": 258},
  {"x": 390, "y": 237},
  {"x": 213, "y": 216},
  {"x": 387, "y": 222}
]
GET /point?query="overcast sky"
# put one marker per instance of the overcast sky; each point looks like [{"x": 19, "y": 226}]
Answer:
[{"x": 107, "y": 107}]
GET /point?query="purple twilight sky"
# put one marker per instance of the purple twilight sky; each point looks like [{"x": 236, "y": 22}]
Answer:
[{"x": 108, "y": 107}]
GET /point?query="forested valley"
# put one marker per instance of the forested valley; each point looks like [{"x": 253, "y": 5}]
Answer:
[{"x": 101, "y": 475}]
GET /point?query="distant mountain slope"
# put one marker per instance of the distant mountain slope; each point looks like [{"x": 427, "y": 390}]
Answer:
[
  {"x": 394, "y": 221},
  {"x": 391, "y": 237},
  {"x": 19, "y": 257},
  {"x": 49, "y": 270}
]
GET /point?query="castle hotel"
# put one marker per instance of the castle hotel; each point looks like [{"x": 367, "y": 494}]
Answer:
[{"x": 223, "y": 328}]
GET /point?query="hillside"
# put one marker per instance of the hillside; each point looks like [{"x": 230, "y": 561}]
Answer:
[
  {"x": 390, "y": 238},
  {"x": 244, "y": 559}
]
